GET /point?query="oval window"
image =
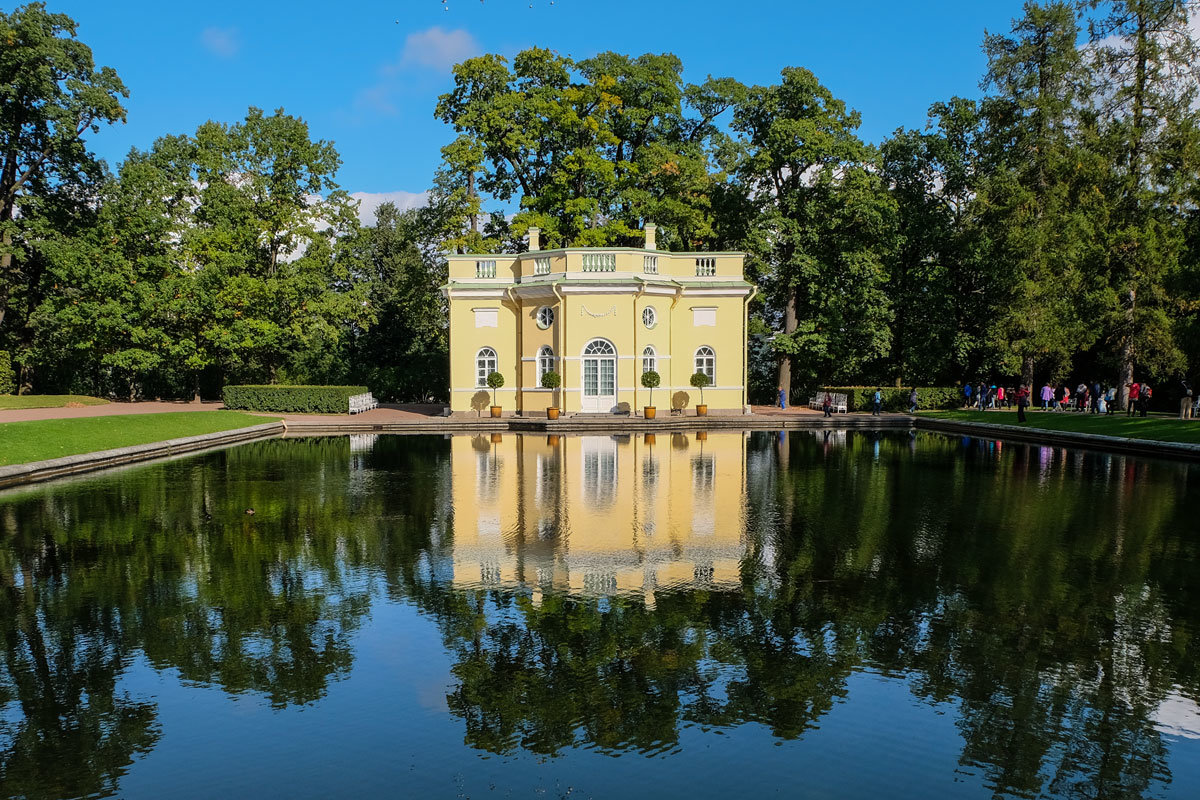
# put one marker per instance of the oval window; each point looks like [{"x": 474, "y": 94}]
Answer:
[
  {"x": 649, "y": 318},
  {"x": 545, "y": 317}
]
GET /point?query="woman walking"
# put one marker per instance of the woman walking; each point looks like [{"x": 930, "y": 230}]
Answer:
[
  {"x": 1022, "y": 401},
  {"x": 912, "y": 401}
]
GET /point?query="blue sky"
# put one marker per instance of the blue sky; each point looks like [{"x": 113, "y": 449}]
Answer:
[{"x": 366, "y": 74}]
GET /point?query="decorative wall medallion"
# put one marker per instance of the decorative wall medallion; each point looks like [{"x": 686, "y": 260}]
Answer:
[{"x": 611, "y": 312}]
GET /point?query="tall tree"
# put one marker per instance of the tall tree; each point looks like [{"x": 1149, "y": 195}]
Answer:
[
  {"x": 51, "y": 95},
  {"x": 1035, "y": 200},
  {"x": 824, "y": 225},
  {"x": 1144, "y": 55}
]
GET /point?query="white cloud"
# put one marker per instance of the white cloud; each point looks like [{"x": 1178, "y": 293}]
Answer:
[
  {"x": 221, "y": 42},
  {"x": 368, "y": 202},
  {"x": 434, "y": 49},
  {"x": 438, "y": 48}
]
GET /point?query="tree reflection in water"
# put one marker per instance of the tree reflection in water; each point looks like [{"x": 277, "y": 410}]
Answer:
[{"x": 1046, "y": 599}]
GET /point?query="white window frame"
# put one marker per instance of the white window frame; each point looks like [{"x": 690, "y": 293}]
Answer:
[
  {"x": 486, "y": 362},
  {"x": 706, "y": 362},
  {"x": 545, "y": 317},
  {"x": 653, "y": 316},
  {"x": 649, "y": 359},
  {"x": 545, "y": 361}
]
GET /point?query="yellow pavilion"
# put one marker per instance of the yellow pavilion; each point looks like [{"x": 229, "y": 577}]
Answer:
[{"x": 599, "y": 317}]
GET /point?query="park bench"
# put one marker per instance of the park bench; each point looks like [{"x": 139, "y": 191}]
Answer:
[
  {"x": 362, "y": 402},
  {"x": 840, "y": 403}
]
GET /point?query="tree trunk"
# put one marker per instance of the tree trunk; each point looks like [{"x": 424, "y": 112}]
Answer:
[
  {"x": 1027, "y": 372},
  {"x": 785, "y": 363},
  {"x": 195, "y": 387},
  {"x": 1125, "y": 377}
]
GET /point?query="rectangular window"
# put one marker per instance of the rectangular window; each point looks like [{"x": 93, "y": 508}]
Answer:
[
  {"x": 599, "y": 262},
  {"x": 650, "y": 265},
  {"x": 706, "y": 266},
  {"x": 485, "y": 269},
  {"x": 541, "y": 266},
  {"x": 487, "y": 317},
  {"x": 704, "y": 317}
]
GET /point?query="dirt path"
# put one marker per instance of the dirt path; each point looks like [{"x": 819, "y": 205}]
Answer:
[{"x": 109, "y": 410}]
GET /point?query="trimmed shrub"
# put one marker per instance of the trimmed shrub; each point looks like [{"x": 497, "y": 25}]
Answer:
[
  {"x": 311, "y": 399},
  {"x": 858, "y": 398},
  {"x": 8, "y": 378}
]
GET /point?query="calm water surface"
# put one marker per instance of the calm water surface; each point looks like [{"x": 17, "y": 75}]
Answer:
[{"x": 852, "y": 615}]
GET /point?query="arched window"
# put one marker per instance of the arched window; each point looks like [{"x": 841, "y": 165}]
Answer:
[
  {"x": 599, "y": 347},
  {"x": 649, "y": 360},
  {"x": 706, "y": 362},
  {"x": 485, "y": 364},
  {"x": 545, "y": 317},
  {"x": 545, "y": 362}
]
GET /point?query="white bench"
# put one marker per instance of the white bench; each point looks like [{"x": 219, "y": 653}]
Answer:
[
  {"x": 840, "y": 403},
  {"x": 362, "y": 402}
]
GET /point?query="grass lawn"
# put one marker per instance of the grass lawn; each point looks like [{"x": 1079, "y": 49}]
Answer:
[
  {"x": 8, "y": 401},
  {"x": 1159, "y": 428},
  {"x": 22, "y": 442}
]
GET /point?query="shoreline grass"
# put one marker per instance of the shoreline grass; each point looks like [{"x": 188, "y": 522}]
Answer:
[
  {"x": 1156, "y": 428},
  {"x": 25, "y": 442},
  {"x": 10, "y": 402}
]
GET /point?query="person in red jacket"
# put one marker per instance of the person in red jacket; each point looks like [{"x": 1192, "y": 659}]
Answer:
[
  {"x": 1135, "y": 391},
  {"x": 1022, "y": 401}
]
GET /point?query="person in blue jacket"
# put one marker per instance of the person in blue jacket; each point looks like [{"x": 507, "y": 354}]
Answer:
[
  {"x": 782, "y": 398},
  {"x": 967, "y": 394}
]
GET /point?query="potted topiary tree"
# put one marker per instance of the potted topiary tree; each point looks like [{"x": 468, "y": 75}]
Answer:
[
  {"x": 700, "y": 380},
  {"x": 494, "y": 381},
  {"x": 551, "y": 380},
  {"x": 650, "y": 380}
]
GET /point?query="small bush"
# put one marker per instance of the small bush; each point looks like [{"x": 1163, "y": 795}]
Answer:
[
  {"x": 310, "y": 399},
  {"x": 551, "y": 380},
  {"x": 858, "y": 398},
  {"x": 8, "y": 378},
  {"x": 651, "y": 380}
]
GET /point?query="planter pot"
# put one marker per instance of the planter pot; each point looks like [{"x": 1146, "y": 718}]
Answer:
[
  {"x": 702, "y": 410},
  {"x": 649, "y": 411},
  {"x": 497, "y": 438},
  {"x": 551, "y": 413},
  {"x": 553, "y": 440},
  {"x": 650, "y": 439},
  {"x": 496, "y": 411},
  {"x": 701, "y": 436}
]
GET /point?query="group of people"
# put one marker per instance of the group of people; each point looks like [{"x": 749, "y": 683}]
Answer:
[{"x": 1093, "y": 398}]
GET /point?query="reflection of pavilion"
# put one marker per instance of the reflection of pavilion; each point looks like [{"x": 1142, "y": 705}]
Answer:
[{"x": 599, "y": 515}]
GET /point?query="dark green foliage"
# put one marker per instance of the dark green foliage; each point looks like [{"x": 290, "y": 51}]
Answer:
[
  {"x": 860, "y": 398},
  {"x": 651, "y": 380},
  {"x": 551, "y": 380},
  {"x": 8, "y": 379},
  {"x": 311, "y": 399}
]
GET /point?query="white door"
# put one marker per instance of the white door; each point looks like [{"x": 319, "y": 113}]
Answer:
[{"x": 599, "y": 376}]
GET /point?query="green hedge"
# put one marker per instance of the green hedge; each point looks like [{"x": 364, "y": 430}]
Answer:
[
  {"x": 858, "y": 398},
  {"x": 8, "y": 379},
  {"x": 312, "y": 399}
]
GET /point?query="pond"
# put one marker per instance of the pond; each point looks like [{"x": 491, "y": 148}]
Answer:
[{"x": 846, "y": 614}]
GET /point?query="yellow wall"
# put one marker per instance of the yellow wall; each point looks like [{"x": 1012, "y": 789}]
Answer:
[{"x": 598, "y": 515}]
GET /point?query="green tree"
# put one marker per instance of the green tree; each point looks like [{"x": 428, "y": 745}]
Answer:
[
  {"x": 51, "y": 96},
  {"x": 1036, "y": 202},
  {"x": 1143, "y": 57},
  {"x": 823, "y": 225}
]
